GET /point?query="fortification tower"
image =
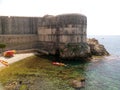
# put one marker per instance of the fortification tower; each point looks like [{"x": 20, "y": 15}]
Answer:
[{"x": 66, "y": 33}]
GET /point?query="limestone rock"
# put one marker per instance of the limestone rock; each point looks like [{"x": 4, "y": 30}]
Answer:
[
  {"x": 80, "y": 50},
  {"x": 96, "y": 48},
  {"x": 78, "y": 83}
]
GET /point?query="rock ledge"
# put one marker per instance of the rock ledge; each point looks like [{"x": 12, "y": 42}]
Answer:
[{"x": 96, "y": 48}]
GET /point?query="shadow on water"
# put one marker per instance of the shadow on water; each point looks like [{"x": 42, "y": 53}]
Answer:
[{"x": 72, "y": 61}]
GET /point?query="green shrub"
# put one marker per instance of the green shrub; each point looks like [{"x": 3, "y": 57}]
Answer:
[{"x": 2, "y": 46}]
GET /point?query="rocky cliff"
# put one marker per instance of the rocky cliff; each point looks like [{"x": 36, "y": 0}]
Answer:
[
  {"x": 71, "y": 51},
  {"x": 96, "y": 48},
  {"x": 84, "y": 50}
]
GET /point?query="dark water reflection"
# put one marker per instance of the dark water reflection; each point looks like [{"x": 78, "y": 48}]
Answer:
[{"x": 103, "y": 74}]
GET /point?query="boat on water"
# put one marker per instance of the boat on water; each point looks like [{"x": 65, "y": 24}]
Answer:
[{"x": 58, "y": 64}]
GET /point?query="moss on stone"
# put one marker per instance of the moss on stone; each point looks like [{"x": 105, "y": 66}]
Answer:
[{"x": 36, "y": 70}]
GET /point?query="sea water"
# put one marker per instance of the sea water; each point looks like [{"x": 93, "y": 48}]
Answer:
[{"x": 104, "y": 73}]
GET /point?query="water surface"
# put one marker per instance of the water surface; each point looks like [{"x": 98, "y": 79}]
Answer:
[{"x": 104, "y": 74}]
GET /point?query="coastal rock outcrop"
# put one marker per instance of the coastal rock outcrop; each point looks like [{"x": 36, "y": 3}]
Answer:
[
  {"x": 96, "y": 48},
  {"x": 84, "y": 50},
  {"x": 80, "y": 50}
]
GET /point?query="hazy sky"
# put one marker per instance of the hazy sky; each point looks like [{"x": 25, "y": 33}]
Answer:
[{"x": 103, "y": 15}]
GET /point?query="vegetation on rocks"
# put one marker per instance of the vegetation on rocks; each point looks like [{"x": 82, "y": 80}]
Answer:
[
  {"x": 2, "y": 46},
  {"x": 84, "y": 50},
  {"x": 37, "y": 73},
  {"x": 78, "y": 50}
]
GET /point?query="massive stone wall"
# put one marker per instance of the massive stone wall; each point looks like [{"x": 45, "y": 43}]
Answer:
[
  {"x": 18, "y": 25},
  {"x": 4, "y": 20},
  {"x": 19, "y": 42},
  {"x": 19, "y": 32},
  {"x": 48, "y": 33},
  {"x": 67, "y": 34},
  {"x": 59, "y": 31}
]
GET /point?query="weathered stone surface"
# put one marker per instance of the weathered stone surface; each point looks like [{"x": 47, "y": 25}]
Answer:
[
  {"x": 18, "y": 25},
  {"x": 65, "y": 33},
  {"x": 78, "y": 84},
  {"x": 77, "y": 50},
  {"x": 96, "y": 48},
  {"x": 61, "y": 31},
  {"x": 19, "y": 42}
]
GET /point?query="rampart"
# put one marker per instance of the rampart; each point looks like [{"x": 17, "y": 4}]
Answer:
[
  {"x": 66, "y": 33},
  {"x": 19, "y": 32}
]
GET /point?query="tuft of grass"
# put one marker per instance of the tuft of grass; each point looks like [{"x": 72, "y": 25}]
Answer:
[{"x": 23, "y": 87}]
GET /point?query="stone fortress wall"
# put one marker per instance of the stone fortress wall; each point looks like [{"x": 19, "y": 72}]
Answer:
[
  {"x": 56, "y": 32},
  {"x": 18, "y": 25},
  {"x": 18, "y": 32},
  {"x": 45, "y": 33}
]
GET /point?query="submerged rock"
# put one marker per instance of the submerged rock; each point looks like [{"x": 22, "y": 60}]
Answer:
[
  {"x": 78, "y": 83},
  {"x": 96, "y": 48}
]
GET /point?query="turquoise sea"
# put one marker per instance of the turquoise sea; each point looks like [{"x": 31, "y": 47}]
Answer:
[{"x": 104, "y": 73}]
